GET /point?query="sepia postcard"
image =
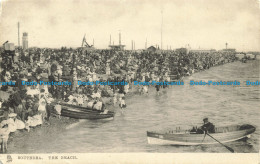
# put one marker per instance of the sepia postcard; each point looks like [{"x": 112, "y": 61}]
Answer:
[{"x": 130, "y": 81}]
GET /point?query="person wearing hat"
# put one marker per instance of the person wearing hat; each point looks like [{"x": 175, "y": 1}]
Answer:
[{"x": 208, "y": 126}]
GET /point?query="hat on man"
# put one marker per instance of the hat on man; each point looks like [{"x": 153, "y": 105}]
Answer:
[{"x": 205, "y": 120}]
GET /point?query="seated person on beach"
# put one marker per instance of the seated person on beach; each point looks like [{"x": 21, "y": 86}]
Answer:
[
  {"x": 58, "y": 109},
  {"x": 80, "y": 100},
  {"x": 97, "y": 104},
  {"x": 90, "y": 104}
]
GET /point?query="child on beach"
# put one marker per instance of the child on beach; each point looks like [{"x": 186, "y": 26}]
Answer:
[
  {"x": 58, "y": 109},
  {"x": 114, "y": 99},
  {"x": 4, "y": 135},
  {"x": 157, "y": 89},
  {"x": 42, "y": 107},
  {"x": 80, "y": 100},
  {"x": 122, "y": 104}
]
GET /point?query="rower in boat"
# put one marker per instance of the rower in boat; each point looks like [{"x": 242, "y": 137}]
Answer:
[{"x": 207, "y": 127}]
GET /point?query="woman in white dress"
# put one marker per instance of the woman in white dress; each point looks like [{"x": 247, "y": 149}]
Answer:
[{"x": 42, "y": 107}]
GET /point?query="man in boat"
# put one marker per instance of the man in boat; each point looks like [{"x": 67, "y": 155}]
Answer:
[{"x": 208, "y": 126}]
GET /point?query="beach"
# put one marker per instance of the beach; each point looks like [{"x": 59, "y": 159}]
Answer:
[{"x": 166, "y": 111}]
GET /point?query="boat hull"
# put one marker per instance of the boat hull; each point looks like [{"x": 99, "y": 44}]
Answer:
[
  {"x": 83, "y": 113},
  {"x": 196, "y": 139},
  {"x": 86, "y": 115}
]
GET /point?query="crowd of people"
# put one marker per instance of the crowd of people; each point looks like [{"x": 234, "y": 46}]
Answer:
[{"x": 73, "y": 65}]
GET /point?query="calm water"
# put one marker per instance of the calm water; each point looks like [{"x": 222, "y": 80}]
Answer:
[{"x": 178, "y": 106}]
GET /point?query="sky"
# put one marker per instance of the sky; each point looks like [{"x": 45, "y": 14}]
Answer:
[{"x": 203, "y": 24}]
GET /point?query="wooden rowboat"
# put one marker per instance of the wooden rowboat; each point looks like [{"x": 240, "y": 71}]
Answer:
[
  {"x": 86, "y": 115},
  {"x": 65, "y": 105},
  {"x": 222, "y": 134},
  {"x": 79, "y": 112}
]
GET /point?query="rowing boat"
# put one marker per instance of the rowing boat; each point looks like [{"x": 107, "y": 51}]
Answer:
[
  {"x": 186, "y": 137},
  {"x": 79, "y": 112},
  {"x": 86, "y": 115}
]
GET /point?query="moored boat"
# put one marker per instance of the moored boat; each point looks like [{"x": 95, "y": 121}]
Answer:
[
  {"x": 86, "y": 115},
  {"x": 186, "y": 137},
  {"x": 79, "y": 112}
]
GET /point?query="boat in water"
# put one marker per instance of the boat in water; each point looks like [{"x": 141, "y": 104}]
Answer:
[
  {"x": 79, "y": 112},
  {"x": 187, "y": 137}
]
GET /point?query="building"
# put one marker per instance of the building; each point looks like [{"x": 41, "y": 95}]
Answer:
[
  {"x": 203, "y": 51},
  {"x": 182, "y": 50},
  {"x": 228, "y": 50},
  {"x": 117, "y": 47},
  {"x": 9, "y": 47},
  {"x": 25, "y": 40},
  {"x": 151, "y": 49}
]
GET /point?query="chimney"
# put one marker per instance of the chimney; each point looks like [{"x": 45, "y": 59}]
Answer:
[
  {"x": 110, "y": 40},
  {"x": 119, "y": 38},
  {"x": 19, "y": 34},
  {"x": 146, "y": 43}
]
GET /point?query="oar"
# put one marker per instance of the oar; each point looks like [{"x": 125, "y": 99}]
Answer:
[
  {"x": 229, "y": 148},
  {"x": 204, "y": 136}
]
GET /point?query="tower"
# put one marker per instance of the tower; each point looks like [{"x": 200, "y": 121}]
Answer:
[
  {"x": 119, "y": 38},
  {"x": 226, "y": 45},
  {"x": 25, "y": 40},
  {"x": 161, "y": 31},
  {"x": 110, "y": 40}
]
